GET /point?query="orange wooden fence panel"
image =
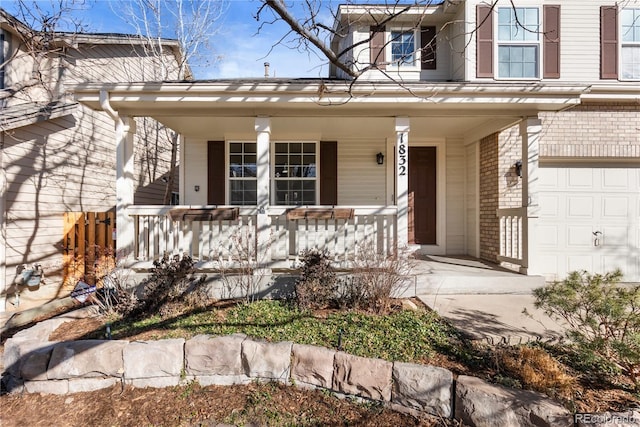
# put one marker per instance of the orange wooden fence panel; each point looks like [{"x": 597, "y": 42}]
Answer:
[{"x": 89, "y": 248}]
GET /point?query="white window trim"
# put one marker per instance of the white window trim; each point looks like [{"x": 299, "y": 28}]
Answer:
[
  {"x": 272, "y": 177},
  {"x": 416, "y": 52},
  {"x": 497, "y": 42},
  {"x": 621, "y": 44},
  {"x": 227, "y": 166}
]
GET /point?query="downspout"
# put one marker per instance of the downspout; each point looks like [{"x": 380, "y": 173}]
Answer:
[
  {"x": 3, "y": 247},
  {"x": 124, "y": 177},
  {"x": 106, "y": 107}
]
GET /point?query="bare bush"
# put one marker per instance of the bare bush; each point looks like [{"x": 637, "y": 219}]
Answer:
[{"x": 318, "y": 285}]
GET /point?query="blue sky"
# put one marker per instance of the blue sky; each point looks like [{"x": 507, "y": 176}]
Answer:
[{"x": 240, "y": 52}]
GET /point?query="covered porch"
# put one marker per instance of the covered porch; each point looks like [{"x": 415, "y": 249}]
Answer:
[{"x": 271, "y": 168}]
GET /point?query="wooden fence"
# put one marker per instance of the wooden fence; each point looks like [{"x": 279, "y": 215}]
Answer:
[{"x": 89, "y": 246}]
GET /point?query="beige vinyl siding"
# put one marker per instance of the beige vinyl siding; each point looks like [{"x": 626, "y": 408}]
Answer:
[
  {"x": 360, "y": 180},
  {"x": 455, "y": 196},
  {"x": 457, "y": 40},
  {"x": 580, "y": 40},
  {"x": 117, "y": 63}
]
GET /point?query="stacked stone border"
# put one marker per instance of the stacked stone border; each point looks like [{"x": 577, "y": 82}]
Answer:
[{"x": 35, "y": 365}]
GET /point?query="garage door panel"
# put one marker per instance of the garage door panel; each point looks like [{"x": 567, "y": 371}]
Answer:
[
  {"x": 615, "y": 208},
  {"x": 579, "y": 179},
  {"x": 580, "y": 207},
  {"x": 578, "y": 201},
  {"x": 615, "y": 179},
  {"x": 617, "y": 236},
  {"x": 580, "y": 262},
  {"x": 611, "y": 262},
  {"x": 549, "y": 205},
  {"x": 548, "y": 235},
  {"x": 579, "y": 236},
  {"x": 549, "y": 180}
]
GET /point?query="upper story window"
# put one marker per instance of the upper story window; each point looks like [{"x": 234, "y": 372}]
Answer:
[
  {"x": 630, "y": 45},
  {"x": 403, "y": 48},
  {"x": 518, "y": 42}
]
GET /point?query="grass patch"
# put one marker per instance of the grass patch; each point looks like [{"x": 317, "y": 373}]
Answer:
[{"x": 408, "y": 336}]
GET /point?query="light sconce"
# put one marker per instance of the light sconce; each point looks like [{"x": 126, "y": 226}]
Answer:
[
  {"x": 518, "y": 167},
  {"x": 380, "y": 158}
]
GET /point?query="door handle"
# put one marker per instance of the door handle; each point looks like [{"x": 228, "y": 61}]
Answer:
[{"x": 597, "y": 236}]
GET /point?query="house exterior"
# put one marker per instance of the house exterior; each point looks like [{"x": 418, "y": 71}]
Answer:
[
  {"x": 59, "y": 156},
  {"x": 481, "y": 129}
]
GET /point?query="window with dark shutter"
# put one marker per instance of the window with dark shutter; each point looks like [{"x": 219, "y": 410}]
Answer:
[
  {"x": 428, "y": 48},
  {"x": 608, "y": 42},
  {"x": 376, "y": 47},
  {"x": 484, "y": 41},
  {"x": 328, "y": 173},
  {"x": 216, "y": 173},
  {"x": 551, "y": 44}
]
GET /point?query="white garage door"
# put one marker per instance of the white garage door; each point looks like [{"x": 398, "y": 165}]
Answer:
[{"x": 589, "y": 220}]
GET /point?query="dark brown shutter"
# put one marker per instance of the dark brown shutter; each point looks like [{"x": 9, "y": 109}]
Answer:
[
  {"x": 428, "y": 48},
  {"x": 484, "y": 41},
  {"x": 551, "y": 43},
  {"x": 376, "y": 47},
  {"x": 215, "y": 173},
  {"x": 608, "y": 42},
  {"x": 328, "y": 173}
]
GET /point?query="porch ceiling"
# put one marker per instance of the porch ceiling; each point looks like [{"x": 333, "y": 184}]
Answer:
[{"x": 443, "y": 109}]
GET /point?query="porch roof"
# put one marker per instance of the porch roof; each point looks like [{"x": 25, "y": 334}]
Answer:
[{"x": 471, "y": 105}]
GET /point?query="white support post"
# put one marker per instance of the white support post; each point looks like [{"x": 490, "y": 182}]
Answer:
[
  {"x": 125, "y": 232},
  {"x": 530, "y": 130},
  {"x": 263, "y": 223},
  {"x": 402, "y": 179}
]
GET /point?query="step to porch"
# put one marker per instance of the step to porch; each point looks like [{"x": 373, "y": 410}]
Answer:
[{"x": 447, "y": 275}]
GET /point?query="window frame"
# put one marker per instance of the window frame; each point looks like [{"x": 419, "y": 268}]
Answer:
[
  {"x": 622, "y": 44},
  {"x": 417, "y": 57},
  {"x": 228, "y": 178},
  {"x": 538, "y": 43},
  {"x": 273, "y": 178}
]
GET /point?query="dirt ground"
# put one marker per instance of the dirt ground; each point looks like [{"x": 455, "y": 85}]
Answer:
[{"x": 192, "y": 405}]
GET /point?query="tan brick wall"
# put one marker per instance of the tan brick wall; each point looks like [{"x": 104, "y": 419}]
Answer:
[
  {"x": 592, "y": 130},
  {"x": 489, "y": 197}
]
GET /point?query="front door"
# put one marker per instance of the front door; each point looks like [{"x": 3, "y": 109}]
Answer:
[{"x": 422, "y": 195}]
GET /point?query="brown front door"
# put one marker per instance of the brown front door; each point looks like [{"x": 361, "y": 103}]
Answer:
[{"x": 422, "y": 195}]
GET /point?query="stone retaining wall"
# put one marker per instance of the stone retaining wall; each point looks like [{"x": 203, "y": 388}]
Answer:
[{"x": 34, "y": 365}]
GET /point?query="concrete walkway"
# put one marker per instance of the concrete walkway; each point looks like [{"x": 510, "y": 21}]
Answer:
[{"x": 484, "y": 300}]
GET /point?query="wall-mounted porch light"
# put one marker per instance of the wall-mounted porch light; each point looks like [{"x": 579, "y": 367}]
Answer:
[
  {"x": 380, "y": 158},
  {"x": 518, "y": 167}
]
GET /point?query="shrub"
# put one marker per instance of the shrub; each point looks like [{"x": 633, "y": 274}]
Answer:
[
  {"x": 317, "y": 286},
  {"x": 603, "y": 317},
  {"x": 534, "y": 368},
  {"x": 171, "y": 279},
  {"x": 377, "y": 278}
]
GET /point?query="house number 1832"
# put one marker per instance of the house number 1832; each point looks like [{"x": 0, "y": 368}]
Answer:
[{"x": 402, "y": 157}]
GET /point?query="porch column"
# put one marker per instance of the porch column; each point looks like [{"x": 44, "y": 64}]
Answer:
[
  {"x": 263, "y": 223},
  {"x": 125, "y": 231},
  {"x": 530, "y": 129},
  {"x": 402, "y": 179}
]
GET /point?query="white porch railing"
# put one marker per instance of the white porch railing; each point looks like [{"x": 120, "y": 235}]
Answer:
[
  {"x": 212, "y": 240},
  {"x": 513, "y": 236}
]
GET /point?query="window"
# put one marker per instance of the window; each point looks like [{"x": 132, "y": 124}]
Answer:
[
  {"x": 403, "y": 48},
  {"x": 630, "y": 45},
  {"x": 242, "y": 173},
  {"x": 295, "y": 173},
  {"x": 518, "y": 43}
]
